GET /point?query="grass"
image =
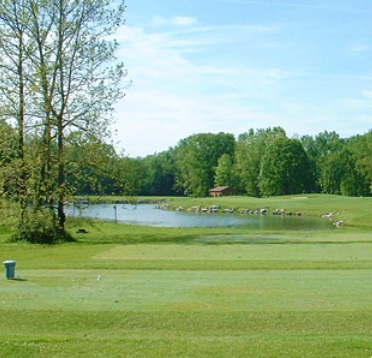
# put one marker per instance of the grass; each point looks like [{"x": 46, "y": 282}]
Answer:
[
  {"x": 195, "y": 292},
  {"x": 354, "y": 211}
]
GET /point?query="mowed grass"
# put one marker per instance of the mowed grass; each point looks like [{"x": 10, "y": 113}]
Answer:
[
  {"x": 190, "y": 293},
  {"x": 353, "y": 211},
  {"x": 205, "y": 300}
]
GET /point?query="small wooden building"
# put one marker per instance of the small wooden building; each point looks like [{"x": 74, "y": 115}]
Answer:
[{"x": 222, "y": 191}]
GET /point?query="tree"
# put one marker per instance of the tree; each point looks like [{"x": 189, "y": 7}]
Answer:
[
  {"x": 250, "y": 151},
  {"x": 310, "y": 146},
  {"x": 224, "y": 171},
  {"x": 160, "y": 174},
  {"x": 8, "y": 158},
  {"x": 330, "y": 162},
  {"x": 62, "y": 76},
  {"x": 196, "y": 159},
  {"x": 354, "y": 182},
  {"x": 130, "y": 176},
  {"x": 91, "y": 165},
  {"x": 14, "y": 84},
  {"x": 362, "y": 147},
  {"x": 285, "y": 168}
]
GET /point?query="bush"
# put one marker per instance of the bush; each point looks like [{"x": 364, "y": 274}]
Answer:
[{"x": 40, "y": 227}]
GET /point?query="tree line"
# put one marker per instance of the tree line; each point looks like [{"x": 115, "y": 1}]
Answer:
[{"x": 262, "y": 162}]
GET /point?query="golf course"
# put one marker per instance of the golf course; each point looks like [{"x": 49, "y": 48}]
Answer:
[{"x": 122, "y": 290}]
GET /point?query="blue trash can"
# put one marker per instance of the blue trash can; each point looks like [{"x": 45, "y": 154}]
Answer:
[{"x": 9, "y": 268}]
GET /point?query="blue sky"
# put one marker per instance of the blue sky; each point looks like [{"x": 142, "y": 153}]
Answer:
[{"x": 231, "y": 65}]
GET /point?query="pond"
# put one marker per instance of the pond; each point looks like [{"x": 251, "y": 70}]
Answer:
[{"x": 148, "y": 215}]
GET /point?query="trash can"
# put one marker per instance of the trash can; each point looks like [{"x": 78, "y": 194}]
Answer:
[{"x": 9, "y": 268}]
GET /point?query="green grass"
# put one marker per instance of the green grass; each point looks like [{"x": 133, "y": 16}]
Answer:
[
  {"x": 195, "y": 292},
  {"x": 260, "y": 313},
  {"x": 353, "y": 211}
]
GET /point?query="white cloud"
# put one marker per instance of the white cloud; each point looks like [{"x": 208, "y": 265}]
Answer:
[
  {"x": 359, "y": 48},
  {"x": 173, "y": 97},
  {"x": 184, "y": 21},
  {"x": 159, "y": 119},
  {"x": 162, "y": 56},
  {"x": 296, "y": 4},
  {"x": 176, "y": 94},
  {"x": 367, "y": 94},
  {"x": 174, "y": 21}
]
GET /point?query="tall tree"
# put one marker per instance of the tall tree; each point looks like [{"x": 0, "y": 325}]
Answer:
[
  {"x": 8, "y": 159},
  {"x": 330, "y": 162},
  {"x": 72, "y": 75},
  {"x": 250, "y": 151},
  {"x": 310, "y": 146},
  {"x": 196, "y": 159},
  {"x": 224, "y": 171},
  {"x": 362, "y": 147},
  {"x": 15, "y": 79},
  {"x": 160, "y": 174},
  {"x": 285, "y": 168},
  {"x": 353, "y": 182}
]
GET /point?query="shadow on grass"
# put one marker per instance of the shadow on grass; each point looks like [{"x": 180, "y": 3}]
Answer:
[
  {"x": 232, "y": 239},
  {"x": 18, "y": 279}
]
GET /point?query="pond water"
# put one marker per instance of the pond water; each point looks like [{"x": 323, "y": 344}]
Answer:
[{"x": 148, "y": 215}]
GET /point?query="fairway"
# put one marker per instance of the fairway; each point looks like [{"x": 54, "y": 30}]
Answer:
[
  {"x": 169, "y": 291},
  {"x": 227, "y": 295},
  {"x": 273, "y": 252}
]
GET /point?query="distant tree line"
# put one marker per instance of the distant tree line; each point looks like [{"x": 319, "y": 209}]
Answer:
[{"x": 263, "y": 162}]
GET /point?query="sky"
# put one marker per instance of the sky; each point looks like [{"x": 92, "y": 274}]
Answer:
[{"x": 210, "y": 66}]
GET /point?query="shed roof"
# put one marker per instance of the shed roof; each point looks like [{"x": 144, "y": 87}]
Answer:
[{"x": 219, "y": 188}]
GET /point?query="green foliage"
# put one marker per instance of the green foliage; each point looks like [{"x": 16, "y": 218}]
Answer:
[
  {"x": 58, "y": 75},
  {"x": 159, "y": 174},
  {"x": 330, "y": 163},
  {"x": 310, "y": 146},
  {"x": 333, "y": 165},
  {"x": 362, "y": 148},
  {"x": 285, "y": 169},
  {"x": 353, "y": 182},
  {"x": 250, "y": 151},
  {"x": 91, "y": 165},
  {"x": 196, "y": 158},
  {"x": 39, "y": 227},
  {"x": 224, "y": 172}
]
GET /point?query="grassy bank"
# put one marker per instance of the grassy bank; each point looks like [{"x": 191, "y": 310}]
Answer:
[
  {"x": 127, "y": 291},
  {"x": 354, "y": 211}
]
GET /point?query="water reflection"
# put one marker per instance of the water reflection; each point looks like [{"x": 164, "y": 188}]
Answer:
[{"x": 148, "y": 215}]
